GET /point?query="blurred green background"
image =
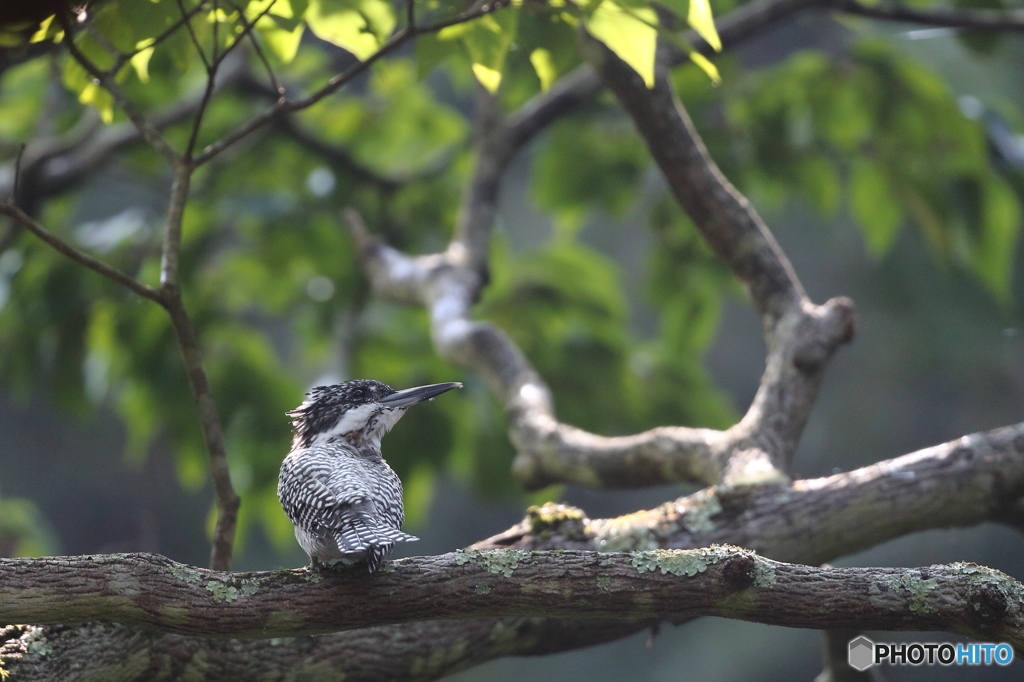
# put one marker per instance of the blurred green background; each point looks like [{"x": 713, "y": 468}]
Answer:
[{"x": 887, "y": 160}]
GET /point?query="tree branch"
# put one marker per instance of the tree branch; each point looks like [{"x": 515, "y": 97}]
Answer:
[
  {"x": 112, "y": 273},
  {"x": 55, "y": 165},
  {"x": 987, "y": 20},
  {"x": 408, "y": 652},
  {"x": 801, "y": 336},
  {"x": 152, "y": 591},
  {"x": 209, "y": 419},
  {"x": 963, "y": 482},
  {"x": 397, "y": 39},
  {"x": 106, "y": 80}
]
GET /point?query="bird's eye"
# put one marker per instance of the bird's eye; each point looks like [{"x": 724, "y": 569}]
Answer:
[{"x": 359, "y": 393}]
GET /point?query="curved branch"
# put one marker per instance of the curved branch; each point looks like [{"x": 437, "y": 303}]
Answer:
[
  {"x": 801, "y": 336},
  {"x": 153, "y": 591},
  {"x": 964, "y": 482},
  {"x": 987, "y": 20}
]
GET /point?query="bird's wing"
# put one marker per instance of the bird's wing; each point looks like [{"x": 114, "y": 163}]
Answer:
[
  {"x": 307, "y": 496},
  {"x": 326, "y": 494}
]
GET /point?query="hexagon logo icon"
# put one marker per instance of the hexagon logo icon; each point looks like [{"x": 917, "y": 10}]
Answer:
[{"x": 861, "y": 655}]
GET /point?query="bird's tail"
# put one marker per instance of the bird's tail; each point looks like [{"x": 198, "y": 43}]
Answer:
[{"x": 363, "y": 534}]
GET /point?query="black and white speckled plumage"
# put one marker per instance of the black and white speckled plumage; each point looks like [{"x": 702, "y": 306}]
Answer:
[{"x": 344, "y": 499}]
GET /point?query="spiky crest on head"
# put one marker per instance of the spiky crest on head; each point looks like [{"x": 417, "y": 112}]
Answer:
[{"x": 323, "y": 412}]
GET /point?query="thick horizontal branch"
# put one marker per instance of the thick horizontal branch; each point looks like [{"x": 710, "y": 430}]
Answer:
[
  {"x": 414, "y": 652},
  {"x": 964, "y": 482},
  {"x": 987, "y": 20},
  {"x": 153, "y": 591}
]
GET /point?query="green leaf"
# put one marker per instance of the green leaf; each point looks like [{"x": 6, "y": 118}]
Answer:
[
  {"x": 544, "y": 66},
  {"x": 487, "y": 41},
  {"x": 140, "y": 62},
  {"x": 359, "y": 26},
  {"x": 706, "y": 66},
  {"x": 699, "y": 18},
  {"x": 48, "y": 30},
  {"x": 874, "y": 204},
  {"x": 281, "y": 27},
  {"x": 401, "y": 130},
  {"x": 282, "y": 41},
  {"x": 630, "y": 34},
  {"x": 431, "y": 51},
  {"x": 81, "y": 83}
]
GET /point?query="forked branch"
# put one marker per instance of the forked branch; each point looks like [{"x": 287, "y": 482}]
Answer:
[{"x": 801, "y": 337}]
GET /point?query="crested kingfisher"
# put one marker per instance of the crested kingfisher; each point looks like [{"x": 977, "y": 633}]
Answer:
[{"x": 334, "y": 485}]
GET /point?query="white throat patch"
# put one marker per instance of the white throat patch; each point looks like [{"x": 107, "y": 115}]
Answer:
[{"x": 356, "y": 420}]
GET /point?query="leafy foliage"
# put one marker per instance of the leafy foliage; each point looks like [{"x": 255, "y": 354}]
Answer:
[{"x": 883, "y": 131}]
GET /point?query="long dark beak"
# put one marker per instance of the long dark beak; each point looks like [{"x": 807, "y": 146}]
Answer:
[{"x": 411, "y": 396}]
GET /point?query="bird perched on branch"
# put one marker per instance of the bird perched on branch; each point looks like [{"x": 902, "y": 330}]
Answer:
[{"x": 344, "y": 499}]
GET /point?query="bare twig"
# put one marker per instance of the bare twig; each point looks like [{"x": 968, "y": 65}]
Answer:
[
  {"x": 215, "y": 28},
  {"x": 192, "y": 35},
  {"x": 337, "y": 82},
  {"x": 197, "y": 120},
  {"x": 213, "y": 435},
  {"x": 209, "y": 419},
  {"x": 274, "y": 83},
  {"x": 107, "y": 81},
  {"x": 16, "y": 194},
  {"x": 212, "y": 67},
  {"x": 167, "y": 33},
  {"x": 247, "y": 28},
  {"x": 25, "y": 220},
  {"x": 266, "y": 64}
]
